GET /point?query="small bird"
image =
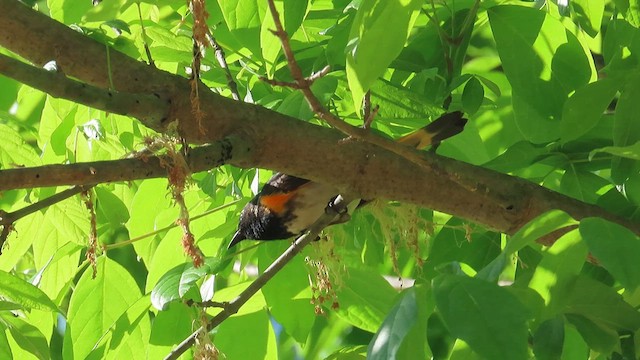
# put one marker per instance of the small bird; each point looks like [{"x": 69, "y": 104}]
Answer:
[{"x": 288, "y": 205}]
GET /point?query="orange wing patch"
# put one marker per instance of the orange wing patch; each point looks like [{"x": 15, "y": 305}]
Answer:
[{"x": 276, "y": 203}]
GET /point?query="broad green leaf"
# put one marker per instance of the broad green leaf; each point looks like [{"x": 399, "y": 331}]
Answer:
[
  {"x": 615, "y": 247},
  {"x": 589, "y": 15},
  {"x": 259, "y": 341},
  {"x": 5, "y": 348},
  {"x": 629, "y": 152},
  {"x": 14, "y": 151},
  {"x": 399, "y": 321},
  {"x": 529, "y": 233},
  {"x": 288, "y": 294},
  {"x": 600, "y": 338},
  {"x": 23, "y": 293},
  {"x": 26, "y": 336},
  {"x": 549, "y": 339},
  {"x": 128, "y": 336},
  {"x": 487, "y": 317},
  {"x": 295, "y": 104},
  {"x": 626, "y": 129},
  {"x": 67, "y": 12},
  {"x": 544, "y": 62},
  {"x": 170, "y": 327},
  {"x": 178, "y": 281},
  {"x": 110, "y": 207},
  {"x": 358, "y": 352},
  {"x": 559, "y": 266},
  {"x": 397, "y": 102},
  {"x": 365, "y": 298},
  {"x": 451, "y": 244},
  {"x": 96, "y": 304},
  {"x": 601, "y": 304},
  {"x": 72, "y": 220},
  {"x": 55, "y": 257},
  {"x": 517, "y": 156},
  {"x": 244, "y": 19},
  {"x": 574, "y": 346},
  {"x": 585, "y": 107},
  {"x": 379, "y": 24},
  {"x": 291, "y": 15},
  {"x": 583, "y": 185},
  {"x": 151, "y": 209},
  {"x": 472, "y": 96}
]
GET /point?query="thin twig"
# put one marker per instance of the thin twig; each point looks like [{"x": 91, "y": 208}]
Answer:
[
  {"x": 144, "y": 37},
  {"x": 338, "y": 207},
  {"x": 222, "y": 60}
]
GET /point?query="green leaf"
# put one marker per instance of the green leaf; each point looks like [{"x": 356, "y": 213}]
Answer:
[
  {"x": 528, "y": 234},
  {"x": 615, "y": 247},
  {"x": 5, "y": 348},
  {"x": 472, "y": 96},
  {"x": 365, "y": 299},
  {"x": 601, "y": 304},
  {"x": 178, "y": 281},
  {"x": 358, "y": 352},
  {"x": 629, "y": 152},
  {"x": 589, "y": 15},
  {"x": 244, "y": 19},
  {"x": 291, "y": 15},
  {"x": 288, "y": 294},
  {"x": 487, "y": 317},
  {"x": 396, "y": 326},
  {"x": 25, "y": 294},
  {"x": 585, "y": 107},
  {"x": 259, "y": 341},
  {"x": 151, "y": 209},
  {"x": 559, "y": 266},
  {"x": 128, "y": 336},
  {"x": 14, "y": 151},
  {"x": 96, "y": 304},
  {"x": 72, "y": 220},
  {"x": 170, "y": 327},
  {"x": 600, "y": 338},
  {"x": 544, "y": 62},
  {"x": 397, "y": 102},
  {"x": 574, "y": 345},
  {"x": 379, "y": 24},
  {"x": 27, "y": 336},
  {"x": 583, "y": 185},
  {"x": 626, "y": 127},
  {"x": 549, "y": 339},
  {"x": 517, "y": 156}
]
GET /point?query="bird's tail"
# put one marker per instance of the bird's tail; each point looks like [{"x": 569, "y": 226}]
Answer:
[{"x": 444, "y": 127}]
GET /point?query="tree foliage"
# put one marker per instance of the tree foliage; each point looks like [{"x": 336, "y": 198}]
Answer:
[{"x": 501, "y": 268}]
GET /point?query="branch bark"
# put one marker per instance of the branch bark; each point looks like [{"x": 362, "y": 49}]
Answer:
[
  {"x": 142, "y": 167},
  {"x": 495, "y": 200}
]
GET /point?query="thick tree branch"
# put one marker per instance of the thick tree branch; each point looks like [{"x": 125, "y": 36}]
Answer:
[
  {"x": 141, "y": 167},
  {"x": 285, "y": 144},
  {"x": 148, "y": 108},
  {"x": 337, "y": 208}
]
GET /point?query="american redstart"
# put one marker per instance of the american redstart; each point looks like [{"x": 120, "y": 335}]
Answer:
[{"x": 288, "y": 205}]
